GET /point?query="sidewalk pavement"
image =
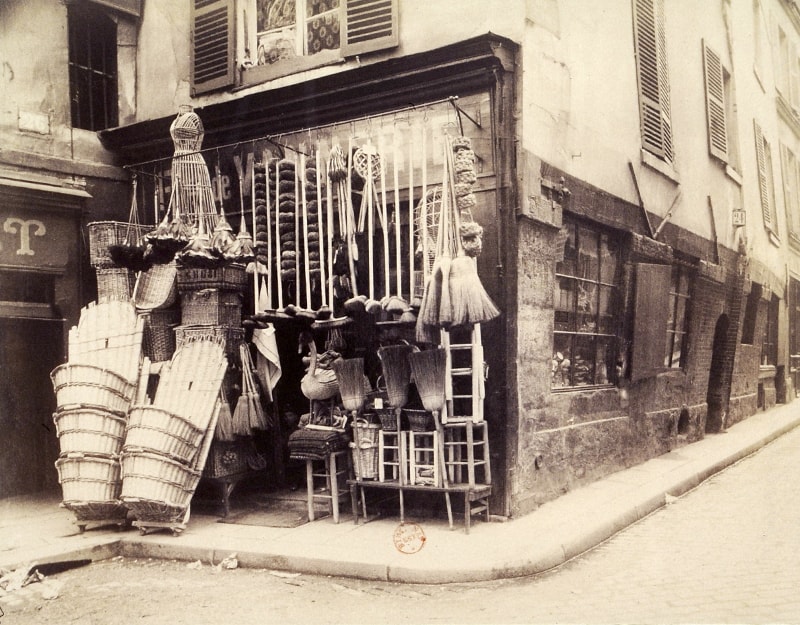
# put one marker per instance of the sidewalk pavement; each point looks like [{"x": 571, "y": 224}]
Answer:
[{"x": 34, "y": 529}]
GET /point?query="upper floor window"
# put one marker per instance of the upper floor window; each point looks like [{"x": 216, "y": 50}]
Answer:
[
  {"x": 650, "y": 41},
  {"x": 790, "y": 167},
  {"x": 92, "y": 67},
  {"x": 766, "y": 182},
  {"x": 720, "y": 112},
  {"x": 282, "y": 37}
]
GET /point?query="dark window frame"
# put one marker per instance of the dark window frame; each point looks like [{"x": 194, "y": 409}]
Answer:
[
  {"x": 92, "y": 42},
  {"x": 678, "y": 339}
]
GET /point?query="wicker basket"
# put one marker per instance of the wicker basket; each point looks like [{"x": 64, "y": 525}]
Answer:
[
  {"x": 157, "y": 287},
  {"x": 226, "y": 278},
  {"x": 158, "y": 478},
  {"x": 158, "y": 343},
  {"x": 97, "y": 510},
  {"x": 88, "y": 478},
  {"x": 211, "y": 307},
  {"x": 227, "y": 458},
  {"x": 388, "y": 417},
  {"x": 155, "y": 430},
  {"x": 232, "y": 336},
  {"x": 419, "y": 420},
  {"x": 78, "y": 373},
  {"x": 81, "y": 385},
  {"x": 114, "y": 283},
  {"x": 365, "y": 461},
  {"x": 89, "y": 431},
  {"x": 144, "y": 510},
  {"x": 103, "y": 234}
]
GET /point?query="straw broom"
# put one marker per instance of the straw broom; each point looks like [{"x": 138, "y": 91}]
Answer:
[
  {"x": 468, "y": 301},
  {"x": 224, "y": 429},
  {"x": 350, "y": 376},
  {"x": 430, "y": 376}
]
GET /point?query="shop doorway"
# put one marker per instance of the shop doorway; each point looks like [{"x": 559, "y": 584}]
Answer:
[{"x": 717, "y": 394}]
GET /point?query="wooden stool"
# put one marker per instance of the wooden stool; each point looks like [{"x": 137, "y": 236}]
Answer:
[{"x": 336, "y": 468}]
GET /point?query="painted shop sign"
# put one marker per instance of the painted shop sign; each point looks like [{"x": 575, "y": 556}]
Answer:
[{"x": 35, "y": 239}]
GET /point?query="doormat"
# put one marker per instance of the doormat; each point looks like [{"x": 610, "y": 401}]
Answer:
[{"x": 267, "y": 518}]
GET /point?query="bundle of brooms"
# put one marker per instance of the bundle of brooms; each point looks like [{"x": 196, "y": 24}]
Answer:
[{"x": 454, "y": 294}]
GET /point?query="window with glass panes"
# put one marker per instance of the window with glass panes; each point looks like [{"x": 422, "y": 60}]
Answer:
[
  {"x": 769, "y": 344},
  {"x": 586, "y": 294},
  {"x": 678, "y": 317}
]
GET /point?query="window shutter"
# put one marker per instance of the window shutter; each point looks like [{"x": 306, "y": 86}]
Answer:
[
  {"x": 715, "y": 105},
  {"x": 763, "y": 183},
  {"x": 789, "y": 172},
  {"x": 213, "y": 55},
  {"x": 794, "y": 77},
  {"x": 653, "y": 284},
  {"x": 369, "y": 25},
  {"x": 653, "y": 75}
]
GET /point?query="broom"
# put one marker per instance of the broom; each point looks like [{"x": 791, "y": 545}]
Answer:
[
  {"x": 241, "y": 412},
  {"x": 430, "y": 374},
  {"x": 224, "y": 428},
  {"x": 350, "y": 376}
]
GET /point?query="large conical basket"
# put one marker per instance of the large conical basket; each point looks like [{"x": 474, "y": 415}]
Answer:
[
  {"x": 350, "y": 375},
  {"x": 396, "y": 373},
  {"x": 429, "y": 369}
]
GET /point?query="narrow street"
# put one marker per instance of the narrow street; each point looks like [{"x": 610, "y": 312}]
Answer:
[{"x": 723, "y": 553}]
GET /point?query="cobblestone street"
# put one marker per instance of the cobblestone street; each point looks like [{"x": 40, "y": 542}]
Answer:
[{"x": 723, "y": 553}]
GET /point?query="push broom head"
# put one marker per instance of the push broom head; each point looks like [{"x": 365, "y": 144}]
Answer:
[{"x": 429, "y": 368}]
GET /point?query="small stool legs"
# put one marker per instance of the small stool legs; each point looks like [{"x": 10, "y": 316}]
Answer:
[{"x": 331, "y": 473}]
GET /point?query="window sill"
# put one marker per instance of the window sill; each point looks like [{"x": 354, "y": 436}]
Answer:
[
  {"x": 766, "y": 371},
  {"x": 662, "y": 167},
  {"x": 258, "y": 74},
  {"x": 577, "y": 389}
]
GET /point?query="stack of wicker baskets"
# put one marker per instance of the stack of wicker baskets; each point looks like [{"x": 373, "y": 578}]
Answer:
[
  {"x": 94, "y": 390},
  {"x": 211, "y": 305},
  {"x": 156, "y": 299},
  {"x": 113, "y": 282},
  {"x": 167, "y": 442}
]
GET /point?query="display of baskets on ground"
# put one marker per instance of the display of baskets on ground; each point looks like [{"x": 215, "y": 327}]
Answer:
[
  {"x": 80, "y": 384},
  {"x": 157, "y": 478},
  {"x": 103, "y": 234},
  {"x": 158, "y": 343},
  {"x": 157, "y": 430},
  {"x": 114, "y": 283},
  {"x": 90, "y": 430},
  {"x": 211, "y": 307},
  {"x": 419, "y": 420},
  {"x": 85, "y": 477},
  {"x": 227, "y": 278}
]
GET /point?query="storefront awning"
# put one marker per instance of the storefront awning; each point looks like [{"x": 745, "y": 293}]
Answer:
[{"x": 457, "y": 69}]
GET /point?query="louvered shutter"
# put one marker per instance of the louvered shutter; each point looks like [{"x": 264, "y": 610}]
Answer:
[
  {"x": 715, "y": 105},
  {"x": 368, "y": 25},
  {"x": 653, "y": 76},
  {"x": 213, "y": 55},
  {"x": 651, "y": 318},
  {"x": 789, "y": 172},
  {"x": 763, "y": 183}
]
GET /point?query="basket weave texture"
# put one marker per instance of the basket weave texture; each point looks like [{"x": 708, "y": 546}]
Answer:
[
  {"x": 387, "y": 417},
  {"x": 114, "y": 283},
  {"x": 88, "y": 478},
  {"x": 227, "y": 278},
  {"x": 160, "y": 431},
  {"x": 78, "y": 384},
  {"x": 365, "y": 450},
  {"x": 156, "y": 477},
  {"x": 103, "y": 234},
  {"x": 227, "y": 458},
  {"x": 89, "y": 430},
  {"x": 419, "y": 420},
  {"x": 232, "y": 336},
  {"x": 211, "y": 307},
  {"x": 159, "y": 333}
]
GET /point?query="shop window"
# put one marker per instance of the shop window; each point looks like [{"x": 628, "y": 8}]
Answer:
[
  {"x": 769, "y": 343},
  {"x": 92, "y": 67},
  {"x": 750, "y": 314},
  {"x": 586, "y": 293},
  {"x": 650, "y": 42},
  {"x": 26, "y": 294},
  {"x": 766, "y": 181},
  {"x": 720, "y": 112},
  {"x": 678, "y": 321}
]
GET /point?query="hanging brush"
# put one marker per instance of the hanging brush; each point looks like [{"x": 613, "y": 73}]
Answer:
[
  {"x": 224, "y": 430},
  {"x": 350, "y": 376}
]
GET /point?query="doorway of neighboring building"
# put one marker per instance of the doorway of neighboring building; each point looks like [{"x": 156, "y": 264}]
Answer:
[{"x": 717, "y": 394}]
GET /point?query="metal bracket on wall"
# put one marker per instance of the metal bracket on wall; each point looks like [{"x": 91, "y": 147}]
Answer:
[{"x": 641, "y": 201}]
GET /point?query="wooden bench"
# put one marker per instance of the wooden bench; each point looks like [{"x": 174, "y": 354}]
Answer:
[{"x": 477, "y": 492}]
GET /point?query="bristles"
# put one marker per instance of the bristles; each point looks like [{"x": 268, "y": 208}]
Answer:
[
  {"x": 470, "y": 304},
  {"x": 350, "y": 376},
  {"x": 429, "y": 369},
  {"x": 396, "y": 372}
]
